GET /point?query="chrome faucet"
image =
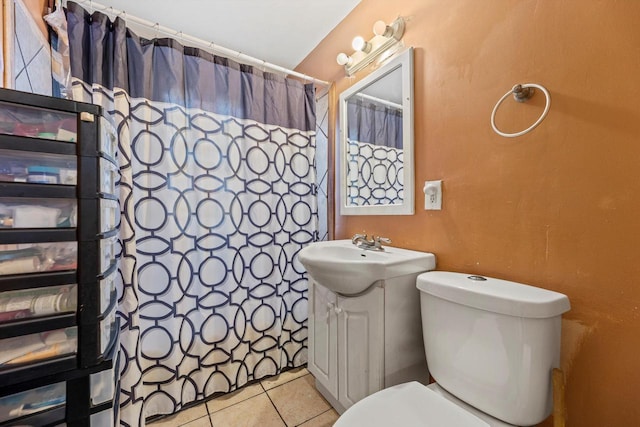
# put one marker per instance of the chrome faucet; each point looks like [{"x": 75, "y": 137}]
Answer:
[
  {"x": 375, "y": 244},
  {"x": 359, "y": 238}
]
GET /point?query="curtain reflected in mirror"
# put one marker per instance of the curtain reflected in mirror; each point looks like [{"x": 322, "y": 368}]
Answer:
[{"x": 374, "y": 152}]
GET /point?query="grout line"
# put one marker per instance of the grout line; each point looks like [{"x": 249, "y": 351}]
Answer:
[
  {"x": 189, "y": 422},
  {"x": 287, "y": 382},
  {"x": 276, "y": 408},
  {"x": 315, "y": 416},
  {"x": 210, "y": 399},
  {"x": 230, "y": 406}
]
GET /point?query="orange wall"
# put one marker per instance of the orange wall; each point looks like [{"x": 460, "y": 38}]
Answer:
[{"x": 558, "y": 208}]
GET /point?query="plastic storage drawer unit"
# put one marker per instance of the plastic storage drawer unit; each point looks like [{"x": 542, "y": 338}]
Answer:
[
  {"x": 36, "y": 302},
  {"x": 38, "y": 213},
  {"x": 32, "y": 401},
  {"x": 33, "y": 348},
  {"x": 38, "y": 257}
]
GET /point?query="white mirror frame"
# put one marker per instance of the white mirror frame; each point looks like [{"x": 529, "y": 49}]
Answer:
[{"x": 404, "y": 61}]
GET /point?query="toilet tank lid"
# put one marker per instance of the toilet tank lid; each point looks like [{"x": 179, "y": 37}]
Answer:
[{"x": 494, "y": 295}]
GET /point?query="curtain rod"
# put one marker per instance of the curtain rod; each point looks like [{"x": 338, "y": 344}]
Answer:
[
  {"x": 379, "y": 100},
  {"x": 197, "y": 42}
]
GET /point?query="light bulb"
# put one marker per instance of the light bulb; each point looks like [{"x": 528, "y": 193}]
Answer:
[
  {"x": 380, "y": 28},
  {"x": 359, "y": 43},
  {"x": 343, "y": 59}
]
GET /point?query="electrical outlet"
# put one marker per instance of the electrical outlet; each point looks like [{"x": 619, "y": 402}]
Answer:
[{"x": 432, "y": 195}]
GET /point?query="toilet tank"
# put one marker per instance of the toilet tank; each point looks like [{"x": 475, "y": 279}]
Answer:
[{"x": 492, "y": 343}]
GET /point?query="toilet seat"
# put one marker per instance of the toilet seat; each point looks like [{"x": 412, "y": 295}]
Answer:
[{"x": 415, "y": 405}]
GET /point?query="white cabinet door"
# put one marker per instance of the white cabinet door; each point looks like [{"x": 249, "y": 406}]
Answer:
[
  {"x": 323, "y": 339},
  {"x": 360, "y": 346}
]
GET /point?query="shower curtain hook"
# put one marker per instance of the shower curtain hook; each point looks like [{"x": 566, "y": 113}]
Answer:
[
  {"x": 157, "y": 28},
  {"x": 264, "y": 66},
  {"x": 90, "y": 11}
]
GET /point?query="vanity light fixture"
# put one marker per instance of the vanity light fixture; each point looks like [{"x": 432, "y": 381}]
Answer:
[
  {"x": 365, "y": 52},
  {"x": 361, "y": 44},
  {"x": 344, "y": 59},
  {"x": 395, "y": 30}
]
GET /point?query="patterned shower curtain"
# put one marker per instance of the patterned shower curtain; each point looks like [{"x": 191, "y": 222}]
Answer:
[
  {"x": 218, "y": 195},
  {"x": 375, "y": 157}
]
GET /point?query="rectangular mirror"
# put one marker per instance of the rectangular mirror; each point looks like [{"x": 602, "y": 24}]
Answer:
[{"x": 376, "y": 141}]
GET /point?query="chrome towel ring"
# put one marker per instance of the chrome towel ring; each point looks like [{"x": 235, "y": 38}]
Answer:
[{"x": 521, "y": 93}]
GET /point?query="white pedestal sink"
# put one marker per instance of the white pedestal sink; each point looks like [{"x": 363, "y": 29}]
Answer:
[
  {"x": 365, "y": 332},
  {"x": 349, "y": 270}
]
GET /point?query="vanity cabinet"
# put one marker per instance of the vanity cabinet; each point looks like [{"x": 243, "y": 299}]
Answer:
[
  {"x": 361, "y": 344},
  {"x": 59, "y": 219}
]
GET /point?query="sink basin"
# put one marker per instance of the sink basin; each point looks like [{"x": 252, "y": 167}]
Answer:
[{"x": 348, "y": 270}]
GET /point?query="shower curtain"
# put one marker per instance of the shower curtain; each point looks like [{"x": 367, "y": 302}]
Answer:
[
  {"x": 375, "y": 156},
  {"x": 218, "y": 195},
  {"x": 373, "y": 123}
]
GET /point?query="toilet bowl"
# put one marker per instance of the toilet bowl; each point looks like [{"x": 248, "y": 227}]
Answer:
[
  {"x": 491, "y": 346},
  {"x": 415, "y": 405}
]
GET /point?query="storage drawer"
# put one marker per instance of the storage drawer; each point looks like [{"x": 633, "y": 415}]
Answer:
[
  {"x": 32, "y": 401},
  {"x": 107, "y": 330},
  {"x": 37, "y": 213},
  {"x": 108, "y": 138},
  {"x": 38, "y": 257},
  {"x": 37, "y": 302},
  {"x": 108, "y": 253},
  {"x": 109, "y": 215},
  {"x": 40, "y": 168},
  {"x": 109, "y": 175},
  {"x": 36, "y": 347},
  {"x": 103, "y": 385},
  {"x": 102, "y": 419},
  {"x": 107, "y": 292},
  {"x": 35, "y": 122}
]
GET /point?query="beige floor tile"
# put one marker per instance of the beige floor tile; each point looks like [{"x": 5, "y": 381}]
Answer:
[
  {"x": 200, "y": 422},
  {"x": 182, "y": 417},
  {"x": 227, "y": 400},
  {"x": 298, "y": 401},
  {"x": 284, "y": 377},
  {"x": 254, "y": 412},
  {"x": 326, "y": 419}
]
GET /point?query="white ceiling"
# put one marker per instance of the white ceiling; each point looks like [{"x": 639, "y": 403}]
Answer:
[{"x": 282, "y": 32}]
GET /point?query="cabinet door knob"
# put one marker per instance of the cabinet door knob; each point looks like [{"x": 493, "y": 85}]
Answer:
[{"x": 337, "y": 310}]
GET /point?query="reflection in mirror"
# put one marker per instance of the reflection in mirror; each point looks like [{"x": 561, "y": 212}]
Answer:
[
  {"x": 374, "y": 138},
  {"x": 377, "y": 135}
]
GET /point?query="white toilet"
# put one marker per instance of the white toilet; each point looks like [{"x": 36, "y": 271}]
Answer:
[{"x": 491, "y": 346}]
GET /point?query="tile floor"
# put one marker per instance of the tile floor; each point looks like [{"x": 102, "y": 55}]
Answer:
[{"x": 286, "y": 400}]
